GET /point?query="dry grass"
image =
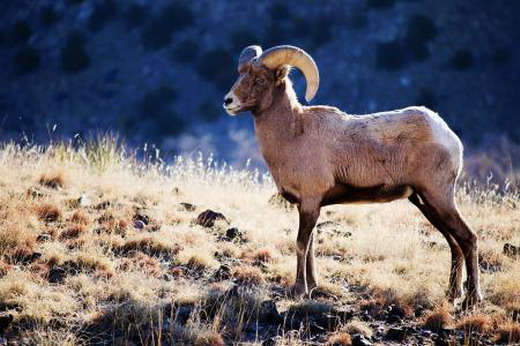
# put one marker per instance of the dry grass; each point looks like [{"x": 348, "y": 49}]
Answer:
[{"x": 116, "y": 280}]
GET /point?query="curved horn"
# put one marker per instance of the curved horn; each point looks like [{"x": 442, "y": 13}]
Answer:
[
  {"x": 297, "y": 57},
  {"x": 249, "y": 53}
]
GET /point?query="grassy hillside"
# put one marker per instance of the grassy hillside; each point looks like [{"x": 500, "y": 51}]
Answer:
[{"x": 97, "y": 247}]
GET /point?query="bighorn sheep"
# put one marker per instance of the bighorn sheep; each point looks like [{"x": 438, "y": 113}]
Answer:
[{"x": 319, "y": 156}]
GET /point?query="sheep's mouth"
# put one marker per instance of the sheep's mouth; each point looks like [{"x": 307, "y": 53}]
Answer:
[{"x": 232, "y": 110}]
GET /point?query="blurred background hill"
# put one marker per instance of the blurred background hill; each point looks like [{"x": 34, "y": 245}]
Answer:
[{"x": 156, "y": 71}]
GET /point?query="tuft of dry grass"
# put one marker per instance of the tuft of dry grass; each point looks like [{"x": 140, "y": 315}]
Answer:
[
  {"x": 438, "y": 319},
  {"x": 358, "y": 327},
  {"x": 340, "y": 339},
  {"x": 474, "y": 323},
  {"x": 52, "y": 180},
  {"x": 508, "y": 333},
  {"x": 247, "y": 275},
  {"x": 48, "y": 212}
]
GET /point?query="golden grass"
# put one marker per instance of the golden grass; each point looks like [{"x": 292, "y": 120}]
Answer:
[{"x": 120, "y": 279}]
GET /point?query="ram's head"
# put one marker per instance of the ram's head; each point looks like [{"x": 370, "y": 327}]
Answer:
[{"x": 261, "y": 73}]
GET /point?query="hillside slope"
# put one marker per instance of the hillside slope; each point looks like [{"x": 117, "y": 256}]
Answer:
[{"x": 98, "y": 248}]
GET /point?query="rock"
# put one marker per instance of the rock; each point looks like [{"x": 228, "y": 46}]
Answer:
[
  {"x": 396, "y": 334},
  {"x": 207, "y": 218},
  {"x": 27, "y": 258},
  {"x": 232, "y": 233},
  {"x": 269, "y": 313},
  {"x": 83, "y": 201},
  {"x": 56, "y": 275},
  {"x": 188, "y": 206},
  {"x": 360, "y": 340},
  {"x": 44, "y": 237},
  {"x": 395, "y": 314},
  {"x": 5, "y": 321},
  {"x": 141, "y": 217},
  {"x": 103, "y": 205},
  {"x": 139, "y": 224},
  {"x": 511, "y": 251},
  {"x": 223, "y": 273}
]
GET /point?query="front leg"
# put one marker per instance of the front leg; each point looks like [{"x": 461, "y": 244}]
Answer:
[{"x": 309, "y": 211}]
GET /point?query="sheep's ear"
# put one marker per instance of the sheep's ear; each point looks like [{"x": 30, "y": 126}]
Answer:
[{"x": 281, "y": 73}]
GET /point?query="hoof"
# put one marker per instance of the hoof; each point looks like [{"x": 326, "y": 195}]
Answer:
[
  {"x": 454, "y": 294},
  {"x": 471, "y": 300}
]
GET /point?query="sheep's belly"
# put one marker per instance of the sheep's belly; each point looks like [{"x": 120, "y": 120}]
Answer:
[{"x": 344, "y": 193}]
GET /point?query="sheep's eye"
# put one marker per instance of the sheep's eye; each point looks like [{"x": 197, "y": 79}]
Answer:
[{"x": 259, "y": 81}]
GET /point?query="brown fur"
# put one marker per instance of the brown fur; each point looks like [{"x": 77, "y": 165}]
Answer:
[{"x": 319, "y": 155}]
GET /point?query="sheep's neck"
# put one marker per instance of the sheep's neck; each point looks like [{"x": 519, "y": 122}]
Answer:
[{"x": 278, "y": 124}]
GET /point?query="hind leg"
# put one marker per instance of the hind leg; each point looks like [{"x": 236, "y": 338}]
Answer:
[
  {"x": 442, "y": 204},
  {"x": 455, "y": 288}
]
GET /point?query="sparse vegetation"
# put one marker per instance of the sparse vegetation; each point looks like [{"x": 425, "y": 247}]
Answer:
[{"x": 128, "y": 262}]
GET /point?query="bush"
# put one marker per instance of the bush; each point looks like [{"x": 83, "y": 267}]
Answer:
[
  {"x": 154, "y": 101},
  {"x": 214, "y": 66},
  {"x": 380, "y": 4},
  {"x": 48, "y": 15},
  {"x": 26, "y": 60},
  {"x": 462, "y": 60},
  {"x": 158, "y": 33},
  {"x": 20, "y": 32},
  {"x": 186, "y": 51},
  {"x": 103, "y": 12},
  {"x": 420, "y": 29},
  {"x": 242, "y": 38},
  {"x": 74, "y": 57},
  {"x": 390, "y": 56},
  {"x": 426, "y": 98},
  {"x": 135, "y": 15}
]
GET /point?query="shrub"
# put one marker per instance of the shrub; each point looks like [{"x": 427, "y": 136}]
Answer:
[
  {"x": 156, "y": 100},
  {"x": 426, "y": 98},
  {"x": 462, "y": 60},
  {"x": 103, "y": 12},
  {"x": 214, "y": 66},
  {"x": 48, "y": 213},
  {"x": 48, "y": 15},
  {"x": 242, "y": 38},
  {"x": 135, "y": 15},
  {"x": 420, "y": 29},
  {"x": 380, "y": 4},
  {"x": 390, "y": 56},
  {"x": 437, "y": 319},
  {"x": 26, "y": 60},
  {"x": 158, "y": 32},
  {"x": 52, "y": 181},
  {"x": 20, "y": 32},
  {"x": 186, "y": 51},
  {"x": 74, "y": 57}
]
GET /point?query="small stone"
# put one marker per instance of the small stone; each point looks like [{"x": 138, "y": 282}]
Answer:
[
  {"x": 142, "y": 217},
  {"x": 5, "y": 321},
  {"x": 139, "y": 224},
  {"x": 207, "y": 218},
  {"x": 44, "y": 237},
  {"x": 511, "y": 251},
  {"x": 232, "y": 233},
  {"x": 83, "y": 201},
  {"x": 396, "y": 334},
  {"x": 56, "y": 275},
  {"x": 223, "y": 273},
  {"x": 188, "y": 206},
  {"x": 360, "y": 340}
]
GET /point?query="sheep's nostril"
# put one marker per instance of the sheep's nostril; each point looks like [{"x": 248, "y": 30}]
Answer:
[{"x": 228, "y": 100}]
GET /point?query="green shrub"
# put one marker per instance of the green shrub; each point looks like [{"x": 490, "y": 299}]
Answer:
[
  {"x": 156, "y": 100},
  {"x": 186, "y": 51},
  {"x": 135, "y": 15},
  {"x": 390, "y": 56},
  {"x": 462, "y": 60},
  {"x": 74, "y": 57},
  {"x": 26, "y": 60},
  {"x": 158, "y": 32},
  {"x": 103, "y": 12},
  {"x": 48, "y": 15},
  {"x": 20, "y": 32},
  {"x": 242, "y": 37},
  {"x": 426, "y": 97},
  {"x": 380, "y": 4},
  {"x": 420, "y": 29},
  {"x": 214, "y": 65}
]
